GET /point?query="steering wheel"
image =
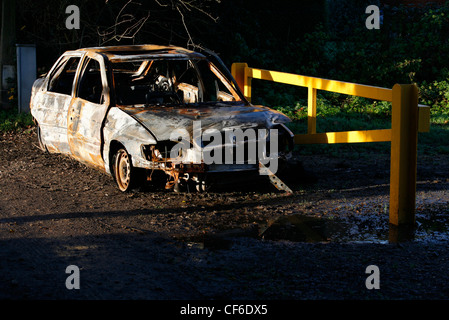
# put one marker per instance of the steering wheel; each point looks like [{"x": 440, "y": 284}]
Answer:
[{"x": 163, "y": 84}]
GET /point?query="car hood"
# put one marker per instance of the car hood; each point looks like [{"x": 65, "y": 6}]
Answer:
[{"x": 162, "y": 121}]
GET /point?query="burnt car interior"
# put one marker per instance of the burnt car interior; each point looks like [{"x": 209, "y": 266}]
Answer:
[
  {"x": 168, "y": 82},
  {"x": 90, "y": 87},
  {"x": 61, "y": 81}
]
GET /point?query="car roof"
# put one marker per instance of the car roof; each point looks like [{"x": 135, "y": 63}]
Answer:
[{"x": 132, "y": 52}]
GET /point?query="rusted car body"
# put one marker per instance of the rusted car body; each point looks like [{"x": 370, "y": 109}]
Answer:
[{"x": 116, "y": 108}]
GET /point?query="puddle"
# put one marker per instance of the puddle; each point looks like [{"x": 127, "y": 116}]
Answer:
[
  {"x": 309, "y": 229},
  {"x": 299, "y": 228},
  {"x": 432, "y": 229},
  {"x": 221, "y": 240}
]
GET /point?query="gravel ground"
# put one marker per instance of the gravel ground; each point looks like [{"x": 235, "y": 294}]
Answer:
[{"x": 237, "y": 241}]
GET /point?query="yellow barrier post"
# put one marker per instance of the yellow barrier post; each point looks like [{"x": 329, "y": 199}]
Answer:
[
  {"x": 239, "y": 72},
  {"x": 311, "y": 111},
  {"x": 404, "y": 140}
]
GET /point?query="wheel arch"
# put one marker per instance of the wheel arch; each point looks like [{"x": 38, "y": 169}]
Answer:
[
  {"x": 122, "y": 130},
  {"x": 114, "y": 146}
]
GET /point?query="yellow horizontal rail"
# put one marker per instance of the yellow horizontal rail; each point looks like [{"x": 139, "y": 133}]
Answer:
[
  {"x": 321, "y": 84},
  {"x": 245, "y": 74},
  {"x": 381, "y": 135}
]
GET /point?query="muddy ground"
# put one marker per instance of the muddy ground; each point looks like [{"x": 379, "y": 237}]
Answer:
[{"x": 228, "y": 243}]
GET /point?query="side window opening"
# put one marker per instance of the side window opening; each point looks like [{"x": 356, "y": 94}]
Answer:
[
  {"x": 61, "y": 80},
  {"x": 90, "y": 86}
]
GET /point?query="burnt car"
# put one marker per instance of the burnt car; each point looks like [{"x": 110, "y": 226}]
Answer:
[{"x": 148, "y": 113}]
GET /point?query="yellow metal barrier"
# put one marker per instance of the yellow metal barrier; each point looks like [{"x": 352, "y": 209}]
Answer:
[{"x": 407, "y": 119}]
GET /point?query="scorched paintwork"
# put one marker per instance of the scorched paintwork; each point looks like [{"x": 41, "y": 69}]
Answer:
[{"x": 115, "y": 108}]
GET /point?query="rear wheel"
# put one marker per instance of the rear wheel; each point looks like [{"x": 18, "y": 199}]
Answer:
[{"x": 124, "y": 173}]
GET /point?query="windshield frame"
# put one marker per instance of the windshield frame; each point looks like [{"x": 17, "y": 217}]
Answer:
[{"x": 224, "y": 76}]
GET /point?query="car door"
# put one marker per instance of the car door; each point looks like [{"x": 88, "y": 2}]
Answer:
[
  {"x": 87, "y": 112},
  {"x": 54, "y": 102}
]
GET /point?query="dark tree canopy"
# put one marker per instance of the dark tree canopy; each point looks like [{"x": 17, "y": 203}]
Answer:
[{"x": 216, "y": 24}]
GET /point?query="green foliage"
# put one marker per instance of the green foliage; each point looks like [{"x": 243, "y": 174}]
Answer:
[
  {"x": 410, "y": 47},
  {"x": 342, "y": 113},
  {"x": 436, "y": 95},
  {"x": 11, "y": 121}
]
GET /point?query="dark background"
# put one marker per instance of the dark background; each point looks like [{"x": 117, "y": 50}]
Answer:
[{"x": 315, "y": 38}]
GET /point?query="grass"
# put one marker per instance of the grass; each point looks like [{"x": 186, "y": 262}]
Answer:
[
  {"x": 12, "y": 121},
  {"x": 335, "y": 113}
]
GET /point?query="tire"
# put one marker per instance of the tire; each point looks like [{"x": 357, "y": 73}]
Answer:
[{"x": 124, "y": 172}]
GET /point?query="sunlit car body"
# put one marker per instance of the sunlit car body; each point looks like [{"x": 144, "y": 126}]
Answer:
[{"x": 116, "y": 108}]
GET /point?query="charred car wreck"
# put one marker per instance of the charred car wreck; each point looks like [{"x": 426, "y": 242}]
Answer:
[{"x": 155, "y": 113}]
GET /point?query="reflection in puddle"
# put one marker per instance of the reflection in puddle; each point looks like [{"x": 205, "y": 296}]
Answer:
[
  {"x": 298, "y": 228},
  {"x": 301, "y": 228},
  {"x": 400, "y": 234},
  {"x": 309, "y": 229}
]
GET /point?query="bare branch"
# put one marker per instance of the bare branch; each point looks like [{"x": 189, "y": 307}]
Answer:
[
  {"x": 130, "y": 32},
  {"x": 190, "y": 41},
  {"x": 127, "y": 25}
]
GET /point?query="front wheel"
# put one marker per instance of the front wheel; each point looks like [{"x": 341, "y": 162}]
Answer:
[{"x": 124, "y": 173}]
